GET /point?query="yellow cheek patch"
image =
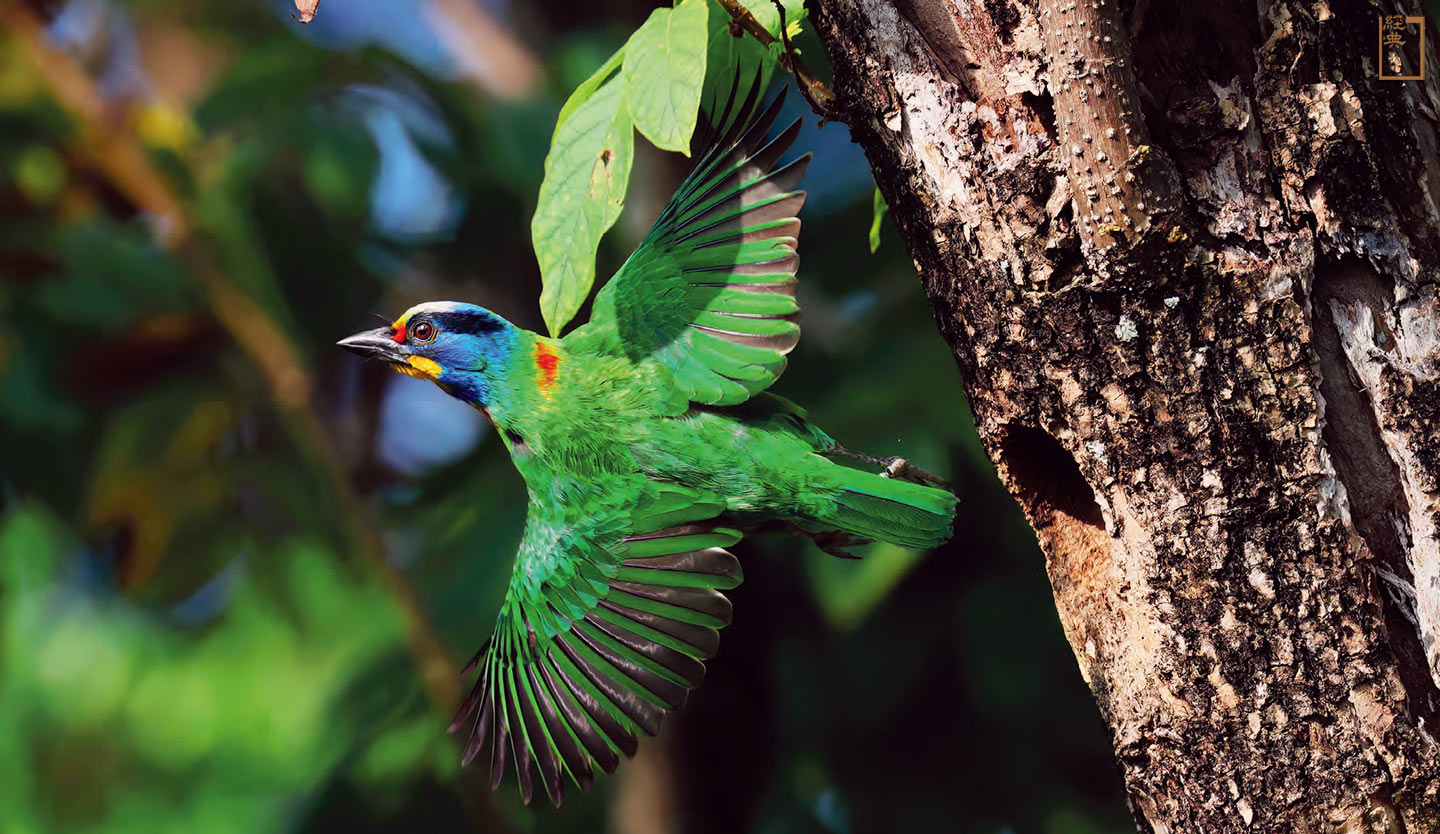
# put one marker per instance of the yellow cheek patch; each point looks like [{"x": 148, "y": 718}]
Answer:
[{"x": 421, "y": 368}]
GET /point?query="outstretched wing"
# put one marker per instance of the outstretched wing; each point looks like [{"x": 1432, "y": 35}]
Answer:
[
  {"x": 608, "y": 617},
  {"x": 710, "y": 293}
]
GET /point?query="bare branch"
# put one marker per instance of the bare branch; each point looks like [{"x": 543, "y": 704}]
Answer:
[{"x": 820, "y": 96}]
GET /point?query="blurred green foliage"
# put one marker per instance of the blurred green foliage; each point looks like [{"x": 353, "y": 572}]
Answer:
[
  {"x": 191, "y": 635},
  {"x": 131, "y": 724}
]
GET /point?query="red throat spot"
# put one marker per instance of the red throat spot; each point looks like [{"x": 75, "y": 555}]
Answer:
[{"x": 547, "y": 363}]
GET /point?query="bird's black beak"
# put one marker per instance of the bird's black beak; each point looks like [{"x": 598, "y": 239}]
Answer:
[{"x": 374, "y": 344}]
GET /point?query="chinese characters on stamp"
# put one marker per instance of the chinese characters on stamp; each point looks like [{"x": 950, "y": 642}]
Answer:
[{"x": 1402, "y": 47}]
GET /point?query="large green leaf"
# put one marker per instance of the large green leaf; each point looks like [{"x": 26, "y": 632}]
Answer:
[
  {"x": 665, "y": 72},
  {"x": 586, "y": 174},
  {"x": 587, "y": 89}
]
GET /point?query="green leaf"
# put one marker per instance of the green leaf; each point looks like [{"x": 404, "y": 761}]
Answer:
[
  {"x": 880, "y": 208},
  {"x": 586, "y": 174},
  {"x": 587, "y": 89},
  {"x": 665, "y": 74}
]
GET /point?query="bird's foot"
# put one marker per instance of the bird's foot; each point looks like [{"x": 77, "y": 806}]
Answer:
[
  {"x": 896, "y": 467},
  {"x": 906, "y": 471},
  {"x": 833, "y": 542}
]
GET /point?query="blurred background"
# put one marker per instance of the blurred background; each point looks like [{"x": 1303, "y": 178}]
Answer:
[{"x": 240, "y": 569}]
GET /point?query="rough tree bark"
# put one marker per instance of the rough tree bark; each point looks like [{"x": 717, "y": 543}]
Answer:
[{"x": 1187, "y": 257}]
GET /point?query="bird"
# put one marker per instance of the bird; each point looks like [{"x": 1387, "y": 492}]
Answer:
[{"x": 650, "y": 444}]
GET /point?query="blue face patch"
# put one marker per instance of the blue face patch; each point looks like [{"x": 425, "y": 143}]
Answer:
[{"x": 470, "y": 345}]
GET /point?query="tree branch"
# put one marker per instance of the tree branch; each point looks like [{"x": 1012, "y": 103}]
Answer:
[{"x": 815, "y": 91}]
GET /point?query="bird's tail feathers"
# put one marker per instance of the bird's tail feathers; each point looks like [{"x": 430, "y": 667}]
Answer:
[{"x": 886, "y": 509}]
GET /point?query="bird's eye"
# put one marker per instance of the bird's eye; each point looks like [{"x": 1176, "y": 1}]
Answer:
[{"x": 423, "y": 333}]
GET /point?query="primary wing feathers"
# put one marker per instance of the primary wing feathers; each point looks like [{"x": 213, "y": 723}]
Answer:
[
  {"x": 710, "y": 293},
  {"x": 598, "y": 640}
]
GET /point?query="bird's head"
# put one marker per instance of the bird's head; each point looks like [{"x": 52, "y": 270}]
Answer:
[{"x": 459, "y": 346}]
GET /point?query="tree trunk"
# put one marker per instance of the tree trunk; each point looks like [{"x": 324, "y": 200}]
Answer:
[{"x": 1187, "y": 259}]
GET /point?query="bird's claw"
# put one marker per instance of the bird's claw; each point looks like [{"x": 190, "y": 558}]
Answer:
[
  {"x": 902, "y": 469},
  {"x": 896, "y": 467},
  {"x": 834, "y": 542}
]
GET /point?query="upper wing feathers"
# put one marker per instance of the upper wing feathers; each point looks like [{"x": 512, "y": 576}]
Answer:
[
  {"x": 710, "y": 293},
  {"x": 603, "y": 631}
]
